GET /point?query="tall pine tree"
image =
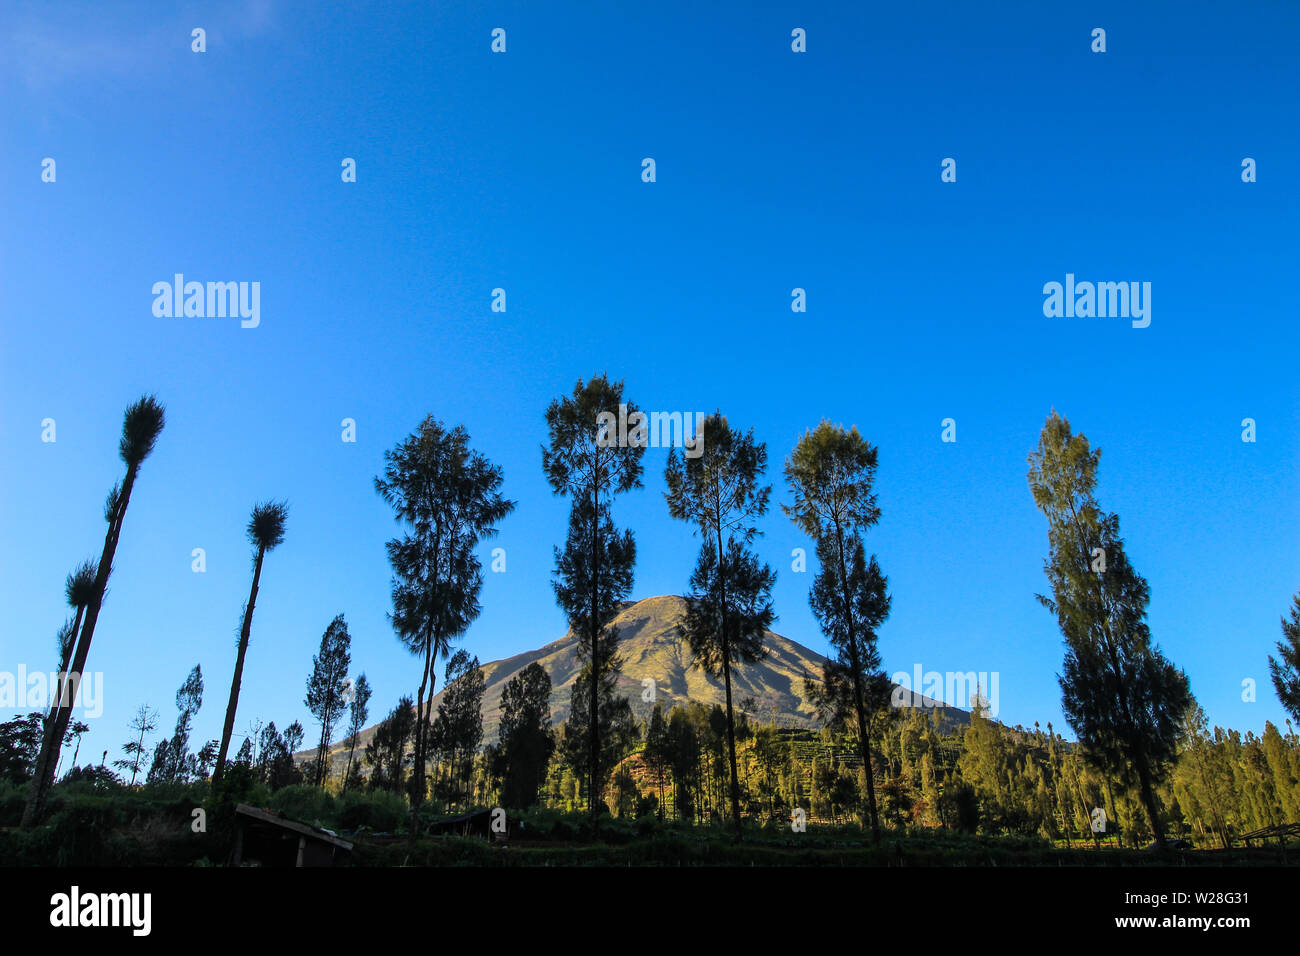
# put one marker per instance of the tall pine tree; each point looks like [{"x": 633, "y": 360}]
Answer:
[
  {"x": 448, "y": 497},
  {"x": 172, "y": 760},
  {"x": 831, "y": 474},
  {"x": 1123, "y": 698},
  {"x": 729, "y": 608},
  {"x": 141, "y": 426},
  {"x": 526, "y": 737},
  {"x": 327, "y": 687},
  {"x": 265, "y": 533},
  {"x": 593, "y": 573},
  {"x": 1285, "y": 668},
  {"x": 358, "y": 712}
]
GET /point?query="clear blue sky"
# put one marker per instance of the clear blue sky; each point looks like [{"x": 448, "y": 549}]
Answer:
[{"x": 775, "y": 170}]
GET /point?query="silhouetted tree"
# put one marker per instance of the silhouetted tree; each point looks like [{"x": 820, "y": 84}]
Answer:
[
  {"x": 1123, "y": 698},
  {"x": 79, "y": 589},
  {"x": 587, "y": 464},
  {"x": 327, "y": 686},
  {"x": 526, "y": 740},
  {"x": 386, "y": 752},
  {"x": 172, "y": 760},
  {"x": 458, "y": 728},
  {"x": 144, "y": 722},
  {"x": 831, "y": 474},
  {"x": 729, "y": 607},
  {"x": 1285, "y": 668},
  {"x": 658, "y": 750},
  {"x": 20, "y": 743},
  {"x": 266, "y": 532},
  {"x": 141, "y": 427},
  {"x": 448, "y": 496},
  {"x": 358, "y": 712},
  {"x": 619, "y": 729}
]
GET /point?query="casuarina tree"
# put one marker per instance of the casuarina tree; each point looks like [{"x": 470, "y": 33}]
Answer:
[
  {"x": 1285, "y": 668},
  {"x": 79, "y": 589},
  {"x": 358, "y": 712},
  {"x": 729, "y": 607},
  {"x": 831, "y": 474},
  {"x": 854, "y": 689},
  {"x": 172, "y": 760},
  {"x": 266, "y": 532},
  {"x": 327, "y": 688},
  {"x": 448, "y": 498},
  {"x": 588, "y": 464},
  {"x": 527, "y": 741},
  {"x": 1123, "y": 698},
  {"x": 141, "y": 426},
  {"x": 144, "y": 722}
]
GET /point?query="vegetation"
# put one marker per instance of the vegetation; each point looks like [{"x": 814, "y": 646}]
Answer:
[
  {"x": 326, "y": 688},
  {"x": 1122, "y": 697},
  {"x": 1285, "y": 668},
  {"x": 593, "y": 573},
  {"x": 679, "y": 781},
  {"x": 141, "y": 426},
  {"x": 448, "y": 497},
  {"x": 358, "y": 713},
  {"x": 730, "y": 604},
  {"x": 266, "y": 532},
  {"x": 172, "y": 760},
  {"x": 831, "y": 473}
]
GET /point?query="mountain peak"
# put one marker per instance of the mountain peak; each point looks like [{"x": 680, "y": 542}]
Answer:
[{"x": 652, "y": 648}]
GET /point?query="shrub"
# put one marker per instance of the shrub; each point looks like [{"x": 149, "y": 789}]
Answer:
[
  {"x": 13, "y": 797},
  {"x": 380, "y": 810},
  {"x": 301, "y": 801}
]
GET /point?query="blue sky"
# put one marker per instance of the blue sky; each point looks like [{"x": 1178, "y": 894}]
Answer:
[{"x": 521, "y": 170}]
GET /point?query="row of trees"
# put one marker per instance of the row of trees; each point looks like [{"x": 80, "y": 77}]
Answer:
[
  {"x": 1126, "y": 702},
  {"x": 447, "y": 499},
  {"x": 85, "y": 589},
  {"x": 270, "y": 754},
  {"x": 929, "y": 772},
  {"x": 142, "y": 424}
]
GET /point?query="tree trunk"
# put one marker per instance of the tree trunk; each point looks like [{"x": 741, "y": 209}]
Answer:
[
  {"x": 57, "y": 725},
  {"x": 1149, "y": 803},
  {"x": 421, "y": 738},
  {"x": 139, "y": 751},
  {"x": 726, "y": 674},
  {"x": 347, "y": 774},
  {"x": 859, "y": 702},
  {"x": 593, "y": 795},
  {"x": 1131, "y": 737},
  {"x": 232, "y": 705},
  {"x": 66, "y": 659}
]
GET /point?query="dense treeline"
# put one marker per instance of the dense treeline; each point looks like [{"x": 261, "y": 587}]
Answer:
[
  {"x": 1142, "y": 765},
  {"x": 984, "y": 778}
]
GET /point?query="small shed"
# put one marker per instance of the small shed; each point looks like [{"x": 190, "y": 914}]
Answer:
[{"x": 267, "y": 838}]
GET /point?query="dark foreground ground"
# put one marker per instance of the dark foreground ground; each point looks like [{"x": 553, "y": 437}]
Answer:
[{"x": 163, "y": 826}]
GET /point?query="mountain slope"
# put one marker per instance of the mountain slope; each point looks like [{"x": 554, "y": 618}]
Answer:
[{"x": 651, "y": 649}]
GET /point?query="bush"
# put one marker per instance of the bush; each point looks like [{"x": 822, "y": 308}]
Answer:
[
  {"x": 301, "y": 801},
  {"x": 13, "y": 797},
  {"x": 381, "y": 810}
]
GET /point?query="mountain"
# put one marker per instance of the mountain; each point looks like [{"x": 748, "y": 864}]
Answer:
[{"x": 651, "y": 648}]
